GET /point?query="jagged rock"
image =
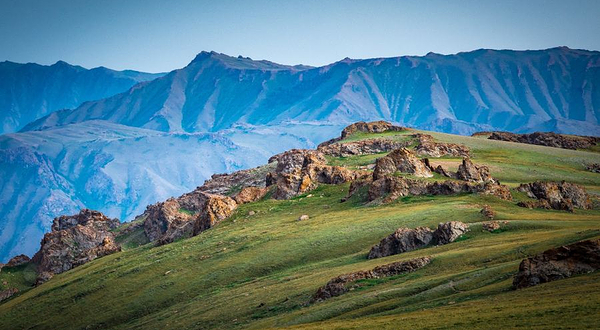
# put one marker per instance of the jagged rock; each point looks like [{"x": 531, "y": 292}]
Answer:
[
  {"x": 470, "y": 172},
  {"x": 227, "y": 184},
  {"x": 442, "y": 171},
  {"x": 594, "y": 167},
  {"x": 341, "y": 284},
  {"x": 363, "y": 147},
  {"x": 558, "y": 263},
  {"x": 74, "y": 241},
  {"x": 488, "y": 212},
  {"x": 554, "y": 195},
  {"x": 428, "y": 147},
  {"x": 406, "y": 239},
  {"x": 402, "y": 160},
  {"x": 371, "y": 127},
  {"x": 250, "y": 194},
  {"x": 5, "y": 294},
  {"x": 491, "y": 226},
  {"x": 18, "y": 261},
  {"x": 185, "y": 216},
  {"x": 299, "y": 171},
  {"x": 548, "y": 139},
  {"x": 303, "y": 217}
]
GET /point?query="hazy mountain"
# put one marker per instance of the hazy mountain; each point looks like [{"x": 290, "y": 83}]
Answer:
[
  {"x": 30, "y": 91},
  {"x": 556, "y": 89}
]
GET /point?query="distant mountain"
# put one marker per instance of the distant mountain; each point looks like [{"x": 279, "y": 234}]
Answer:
[
  {"x": 556, "y": 89},
  {"x": 30, "y": 91}
]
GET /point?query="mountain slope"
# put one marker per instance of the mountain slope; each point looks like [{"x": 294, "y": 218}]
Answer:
[
  {"x": 30, "y": 91},
  {"x": 481, "y": 90},
  {"x": 260, "y": 270}
]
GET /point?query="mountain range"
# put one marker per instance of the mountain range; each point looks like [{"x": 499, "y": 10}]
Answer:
[{"x": 163, "y": 137}]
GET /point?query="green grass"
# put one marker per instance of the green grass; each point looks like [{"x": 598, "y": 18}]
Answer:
[{"x": 260, "y": 271}]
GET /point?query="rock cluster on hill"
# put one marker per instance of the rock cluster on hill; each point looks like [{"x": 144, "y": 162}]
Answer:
[
  {"x": 362, "y": 147},
  {"x": 488, "y": 212},
  {"x": 427, "y": 146},
  {"x": 562, "y": 262},
  {"x": 342, "y": 284},
  {"x": 73, "y": 241},
  {"x": 17, "y": 261},
  {"x": 468, "y": 171},
  {"x": 403, "y": 160},
  {"x": 548, "y": 139},
  {"x": 226, "y": 184},
  {"x": 406, "y": 239},
  {"x": 555, "y": 195},
  {"x": 380, "y": 126},
  {"x": 5, "y": 294}
]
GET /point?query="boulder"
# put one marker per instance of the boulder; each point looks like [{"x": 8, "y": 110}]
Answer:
[
  {"x": 548, "y": 139},
  {"x": 406, "y": 239},
  {"x": 18, "y": 261},
  {"x": 426, "y": 146},
  {"x": 488, "y": 212},
  {"x": 594, "y": 167},
  {"x": 5, "y": 294},
  {"x": 468, "y": 171},
  {"x": 303, "y": 217},
  {"x": 556, "y": 195},
  {"x": 403, "y": 160},
  {"x": 344, "y": 283},
  {"x": 491, "y": 226},
  {"x": 185, "y": 216},
  {"x": 250, "y": 194},
  {"x": 74, "y": 241},
  {"x": 558, "y": 263}
]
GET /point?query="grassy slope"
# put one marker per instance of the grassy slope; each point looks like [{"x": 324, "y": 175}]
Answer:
[{"x": 260, "y": 271}]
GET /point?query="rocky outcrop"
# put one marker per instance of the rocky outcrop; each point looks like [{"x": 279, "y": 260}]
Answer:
[
  {"x": 555, "y": 195},
  {"x": 18, "y": 261},
  {"x": 299, "y": 171},
  {"x": 228, "y": 184},
  {"x": 363, "y": 147},
  {"x": 403, "y": 160},
  {"x": 5, "y": 294},
  {"x": 594, "y": 167},
  {"x": 491, "y": 226},
  {"x": 468, "y": 171},
  {"x": 344, "y": 283},
  {"x": 74, "y": 241},
  {"x": 548, "y": 139},
  {"x": 361, "y": 126},
  {"x": 426, "y": 146},
  {"x": 406, "y": 239},
  {"x": 250, "y": 194},
  {"x": 390, "y": 188},
  {"x": 562, "y": 262},
  {"x": 488, "y": 212},
  {"x": 185, "y": 216}
]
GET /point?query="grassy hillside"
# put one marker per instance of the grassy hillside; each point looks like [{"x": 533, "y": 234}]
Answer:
[{"x": 260, "y": 271}]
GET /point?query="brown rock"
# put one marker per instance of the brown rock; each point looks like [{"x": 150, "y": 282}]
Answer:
[
  {"x": 448, "y": 232},
  {"x": 341, "y": 284},
  {"x": 303, "y": 217},
  {"x": 594, "y": 167},
  {"x": 488, "y": 212},
  {"x": 491, "y": 226},
  {"x": 74, "y": 241},
  {"x": 5, "y": 294},
  {"x": 18, "y": 261},
  {"x": 250, "y": 194},
  {"x": 470, "y": 172},
  {"x": 548, "y": 139},
  {"x": 562, "y": 262},
  {"x": 227, "y": 184},
  {"x": 555, "y": 195},
  {"x": 402, "y": 160},
  {"x": 428, "y": 147},
  {"x": 363, "y": 147}
]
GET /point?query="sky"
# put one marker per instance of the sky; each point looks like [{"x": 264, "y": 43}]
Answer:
[{"x": 159, "y": 36}]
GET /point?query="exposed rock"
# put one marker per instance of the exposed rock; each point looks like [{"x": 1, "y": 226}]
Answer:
[
  {"x": 74, "y": 241},
  {"x": 554, "y": 195},
  {"x": 562, "y": 262},
  {"x": 43, "y": 277},
  {"x": 5, "y": 294},
  {"x": 363, "y": 147},
  {"x": 594, "y": 167},
  {"x": 18, "y": 261},
  {"x": 488, "y": 212},
  {"x": 428, "y": 147},
  {"x": 548, "y": 139},
  {"x": 470, "y": 172},
  {"x": 491, "y": 226},
  {"x": 371, "y": 127},
  {"x": 185, "y": 216},
  {"x": 406, "y": 239},
  {"x": 299, "y": 171},
  {"x": 303, "y": 217},
  {"x": 442, "y": 171},
  {"x": 402, "y": 160},
  {"x": 227, "y": 184},
  {"x": 342, "y": 284},
  {"x": 251, "y": 213},
  {"x": 250, "y": 194}
]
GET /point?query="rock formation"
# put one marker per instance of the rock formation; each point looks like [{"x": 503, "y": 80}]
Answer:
[
  {"x": 406, "y": 239},
  {"x": 403, "y": 160},
  {"x": 225, "y": 184},
  {"x": 250, "y": 194},
  {"x": 562, "y": 262},
  {"x": 594, "y": 167},
  {"x": 491, "y": 226},
  {"x": 5, "y": 294},
  {"x": 488, "y": 212},
  {"x": 18, "y": 261},
  {"x": 468, "y": 171},
  {"x": 362, "y": 147},
  {"x": 343, "y": 283},
  {"x": 548, "y": 139},
  {"x": 73, "y": 241},
  {"x": 428, "y": 147},
  {"x": 185, "y": 216},
  {"x": 554, "y": 195}
]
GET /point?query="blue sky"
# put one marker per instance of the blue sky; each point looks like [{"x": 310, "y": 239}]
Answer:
[{"x": 158, "y": 36}]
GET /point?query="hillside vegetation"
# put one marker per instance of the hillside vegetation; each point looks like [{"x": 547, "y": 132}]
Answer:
[{"x": 260, "y": 271}]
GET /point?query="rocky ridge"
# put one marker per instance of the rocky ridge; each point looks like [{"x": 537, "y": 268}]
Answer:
[
  {"x": 548, "y": 139},
  {"x": 555, "y": 195}
]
